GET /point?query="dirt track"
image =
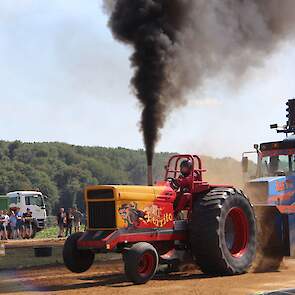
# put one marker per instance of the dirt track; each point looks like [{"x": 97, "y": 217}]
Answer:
[{"x": 108, "y": 279}]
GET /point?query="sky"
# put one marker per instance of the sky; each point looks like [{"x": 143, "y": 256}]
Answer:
[{"x": 64, "y": 78}]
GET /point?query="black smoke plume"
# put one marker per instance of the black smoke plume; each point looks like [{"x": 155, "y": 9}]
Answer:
[{"x": 178, "y": 44}]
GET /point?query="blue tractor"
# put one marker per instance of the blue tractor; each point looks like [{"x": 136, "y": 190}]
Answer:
[{"x": 272, "y": 192}]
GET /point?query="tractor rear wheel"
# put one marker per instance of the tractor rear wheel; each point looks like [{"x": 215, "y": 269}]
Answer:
[
  {"x": 141, "y": 262},
  {"x": 223, "y": 232},
  {"x": 76, "y": 260}
]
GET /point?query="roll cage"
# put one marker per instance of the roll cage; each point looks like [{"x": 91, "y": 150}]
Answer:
[{"x": 172, "y": 170}]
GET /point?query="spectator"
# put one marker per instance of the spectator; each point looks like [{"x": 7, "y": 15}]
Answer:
[
  {"x": 6, "y": 224},
  {"x": 69, "y": 222},
  {"x": 1, "y": 225},
  {"x": 61, "y": 221},
  {"x": 19, "y": 223},
  {"x": 77, "y": 219},
  {"x": 27, "y": 219},
  {"x": 12, "y": 223},
  {"x": 4, "y": 220}
]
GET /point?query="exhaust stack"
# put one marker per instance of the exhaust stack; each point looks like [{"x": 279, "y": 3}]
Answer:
[{"x": 150, "y": 175}]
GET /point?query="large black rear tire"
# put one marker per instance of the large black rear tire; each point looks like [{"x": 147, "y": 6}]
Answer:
[
  {"x": 223, "y": 232},
  {"x": 76, "y": 260},
  {"x": 141, "y": 262}
]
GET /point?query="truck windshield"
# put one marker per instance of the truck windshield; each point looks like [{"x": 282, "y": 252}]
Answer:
[
  {"x": 34, "y": 200},
  {"x": 13, "y": 200},
  {"x": 277, "y": 165}
]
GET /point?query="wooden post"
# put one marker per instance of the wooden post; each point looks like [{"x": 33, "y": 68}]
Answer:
[{"x": 2, "y": 248}]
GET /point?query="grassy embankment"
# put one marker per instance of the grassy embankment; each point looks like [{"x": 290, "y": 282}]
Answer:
[{"x": 47, "y": 233}]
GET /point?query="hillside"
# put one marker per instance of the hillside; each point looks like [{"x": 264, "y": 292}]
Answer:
[{"x": 61, "y": 170}]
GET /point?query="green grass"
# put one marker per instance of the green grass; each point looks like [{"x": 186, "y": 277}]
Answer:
[
  {"x": 24, "y": 257},
  {"x": 47, "y": 233},
  {"x": 19, "y": 258}
]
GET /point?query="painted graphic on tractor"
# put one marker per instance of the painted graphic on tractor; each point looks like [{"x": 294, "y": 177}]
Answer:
[
  {"x": 150, "y": 216},
  {"x": 131, "y": 216}
]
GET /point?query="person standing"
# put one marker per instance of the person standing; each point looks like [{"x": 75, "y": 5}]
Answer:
[
  {"x": 27, "y": 219},
  {"x": 77, "y": 219},
  {"x": 61, "y": 222},
  {"x": 69, "y": 224},
  {"x": 19, "y": 223},
  {"x": 5, "y": 224},
  {"x": 12, "y": 223},
  {"x": 2, "y": 220}
]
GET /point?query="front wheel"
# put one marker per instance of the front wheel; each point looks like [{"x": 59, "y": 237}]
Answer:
[
  {"x": 76, "y": 260},
  {"x": 141, "y": 262}
]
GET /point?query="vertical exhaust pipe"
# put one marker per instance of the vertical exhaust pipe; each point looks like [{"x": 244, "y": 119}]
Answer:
[{"x": 150, "y": 175}]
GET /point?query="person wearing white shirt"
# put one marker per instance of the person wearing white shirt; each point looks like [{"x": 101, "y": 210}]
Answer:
[{"x": 4, "y": 220}]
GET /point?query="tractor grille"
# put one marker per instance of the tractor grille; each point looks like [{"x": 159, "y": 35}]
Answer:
[
  {"x": 100, "y": 194},
  {"x": 101, "y": 215}
]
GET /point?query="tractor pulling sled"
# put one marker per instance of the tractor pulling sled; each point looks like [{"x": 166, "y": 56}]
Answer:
[{"x": 186, "y": 218}]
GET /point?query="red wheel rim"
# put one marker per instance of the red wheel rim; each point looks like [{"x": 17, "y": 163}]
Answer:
[
  {"x": 236, "y": 232},
  {"x": 146, "y": 264}
]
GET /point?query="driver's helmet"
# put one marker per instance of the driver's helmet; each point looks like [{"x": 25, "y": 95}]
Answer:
[{"x": 186, "y": 167}]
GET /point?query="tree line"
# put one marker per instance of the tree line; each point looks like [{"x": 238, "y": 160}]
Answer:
[{"x": 61, "y": 171}]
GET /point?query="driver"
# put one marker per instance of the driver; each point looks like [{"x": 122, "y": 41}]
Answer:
[
  {"x": 184, "y": 184},
  {"x": 185, "y": 177},
  {"x": 273, "y": 165},
  {"x": 184, "y": 180}
]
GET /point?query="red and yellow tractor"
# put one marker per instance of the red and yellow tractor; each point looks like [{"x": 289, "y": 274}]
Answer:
[{"x": 215, "y": 227}]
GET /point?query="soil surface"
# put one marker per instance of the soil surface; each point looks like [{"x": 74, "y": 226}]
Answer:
[{"x": 108, "y": 278}]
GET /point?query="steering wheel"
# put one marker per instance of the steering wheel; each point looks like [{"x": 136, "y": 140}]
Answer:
[{"x": 173, "y": 182}]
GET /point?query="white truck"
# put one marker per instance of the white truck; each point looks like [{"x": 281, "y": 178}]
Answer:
[{"x": 33, "y": 200}]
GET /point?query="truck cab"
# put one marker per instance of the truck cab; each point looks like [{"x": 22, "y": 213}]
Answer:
[
  {"x": 272, "y": 190},
  {"x": 274, "y": 183},
  {"x": 33, "y": 200}
]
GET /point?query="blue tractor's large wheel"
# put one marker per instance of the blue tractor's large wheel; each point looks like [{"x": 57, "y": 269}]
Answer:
[
  {"x": 223, "y": 232},
  {"x": 270, "y": 248}
]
